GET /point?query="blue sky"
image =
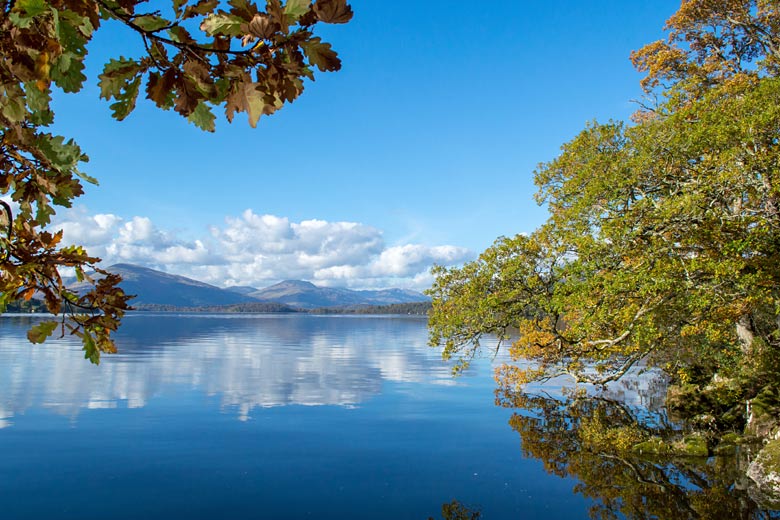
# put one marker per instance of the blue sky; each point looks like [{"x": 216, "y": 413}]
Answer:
[{"x": 420, "y": 150}]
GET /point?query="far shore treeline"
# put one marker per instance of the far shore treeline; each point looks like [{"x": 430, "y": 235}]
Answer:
[{"x": 414, "y": 308}]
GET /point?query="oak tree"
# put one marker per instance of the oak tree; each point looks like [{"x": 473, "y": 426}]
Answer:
[
  {"x": 662, "y": 247},
  {"x": 239, "y": 56}
]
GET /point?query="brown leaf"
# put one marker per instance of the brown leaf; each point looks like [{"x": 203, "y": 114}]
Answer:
[
  {"x": 333, "y": 11},
  {"x": 187, "y": 97},
  {"x": 201, "y": 77},
  {"x": 158, "y": 89},
  {"x": 203, "y": 7},
  {"x": 245, "y": 97},
  {"x": 263, "y": 27},
  {"x": 321, "y": 54}
]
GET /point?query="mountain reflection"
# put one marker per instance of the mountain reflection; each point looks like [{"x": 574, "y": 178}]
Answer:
[
  {"x": 589, "y": 438},
  {"x": 244, "y": 361}
]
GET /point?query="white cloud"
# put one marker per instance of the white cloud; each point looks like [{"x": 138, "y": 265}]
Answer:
[
  {"x": 94, "y": 232},
  {"x": 259, "y": 250}
]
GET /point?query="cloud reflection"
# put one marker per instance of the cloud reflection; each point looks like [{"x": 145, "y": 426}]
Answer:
[{"x": 246, "y": 362}]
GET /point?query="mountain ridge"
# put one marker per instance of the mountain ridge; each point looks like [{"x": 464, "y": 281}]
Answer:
[
  {"x": 306, "y": 295},
  {"x": 158, "y": 288}
]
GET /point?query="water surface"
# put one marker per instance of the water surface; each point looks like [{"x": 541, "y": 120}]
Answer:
[{"x": 260, "y": 416}]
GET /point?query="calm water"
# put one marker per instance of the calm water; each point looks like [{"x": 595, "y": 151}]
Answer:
[{"x": 263, "y": 416}]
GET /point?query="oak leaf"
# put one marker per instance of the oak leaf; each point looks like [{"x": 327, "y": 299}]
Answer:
[{"x": 333, "y": 11}]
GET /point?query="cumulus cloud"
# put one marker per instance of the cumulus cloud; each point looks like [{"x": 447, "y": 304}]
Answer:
[
  {"x": 258, "y": 250},
  {"x": 136, "y": 241}
]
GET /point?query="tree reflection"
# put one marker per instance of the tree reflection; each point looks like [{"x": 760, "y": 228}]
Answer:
[
  {"x": 594, "y": 440},
  {"x": 456, "y": 511}
]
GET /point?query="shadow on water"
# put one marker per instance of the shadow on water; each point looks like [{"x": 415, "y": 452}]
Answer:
[{"x": 595, "y": 439}]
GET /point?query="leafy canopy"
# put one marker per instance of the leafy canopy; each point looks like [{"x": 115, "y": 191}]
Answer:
[
  {"x": 663, "y": 240},
  {"x": 237, "y": 56}
]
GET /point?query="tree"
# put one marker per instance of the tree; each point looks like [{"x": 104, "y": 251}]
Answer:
[
  {"x": 663, "y": 240},
  {"x": 198, "y": 55}
]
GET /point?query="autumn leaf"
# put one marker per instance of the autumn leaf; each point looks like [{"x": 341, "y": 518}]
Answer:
[
  {"x": 201, "y": 8},
  {"x": 262, "y": 27},
  {"x": 40, "y": 332},
  {"x": 333, "y": 11},
  {"x": 321, "y": 54},
  {"x": 159, "y": 88},
  {"x": 46, "y": 43}
]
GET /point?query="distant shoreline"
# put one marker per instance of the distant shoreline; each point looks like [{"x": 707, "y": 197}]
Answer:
[{"x": 414, "y": 309}]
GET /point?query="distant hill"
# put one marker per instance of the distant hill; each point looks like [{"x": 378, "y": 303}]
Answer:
[
  {"x": 306, "y": 295},
  {"x": 158, "y": 288}
]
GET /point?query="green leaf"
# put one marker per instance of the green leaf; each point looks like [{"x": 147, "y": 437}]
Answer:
[
  {"x": 222, "y": 23},
  {"x": 84, "y": 176},
  {"x": 32, "y": 8},
  {"x": 151, "y": 22},
  {"x": 38, "y": 104},
  {"x": 40, "y": 332},
  {"x": 116, "y": 76},
  {"x": 20, "y": 21},
  {"x": 126, "y": 100},
  {"x": 90, "y": 349},
  {"x": 297, "y": 8},
  {"x": 62, "y": 155},
  {"x": 321, "y": 54},
  {"x": 67, "y": 68},
  {"x": 202, "y": 117},
  {"x": 68, "y": 73},
  {"x": 12, "y": 104},
  {"x": 81, "y": 26}
]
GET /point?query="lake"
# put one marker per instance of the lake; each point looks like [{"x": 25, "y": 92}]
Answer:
[{"x": 288, "y": 416}]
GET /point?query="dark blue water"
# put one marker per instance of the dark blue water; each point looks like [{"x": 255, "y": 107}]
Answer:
[{"x": 262, "y": 416}]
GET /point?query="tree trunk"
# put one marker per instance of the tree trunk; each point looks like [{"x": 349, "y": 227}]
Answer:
[{"x": 746, "y": 333}]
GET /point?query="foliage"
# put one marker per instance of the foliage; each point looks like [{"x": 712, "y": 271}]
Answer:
[
  {"x": 199, "y": 54},
  {"x": 711, "y": 43},
  {"x": 663, "y": 241}
]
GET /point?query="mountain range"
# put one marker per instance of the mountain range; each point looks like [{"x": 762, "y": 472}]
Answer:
[{"x": 156, "y": 288}]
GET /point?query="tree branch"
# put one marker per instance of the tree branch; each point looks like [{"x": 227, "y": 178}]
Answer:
[
  {"x": 152, "y": 35},
  {"x": 9, "y": 230}
]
